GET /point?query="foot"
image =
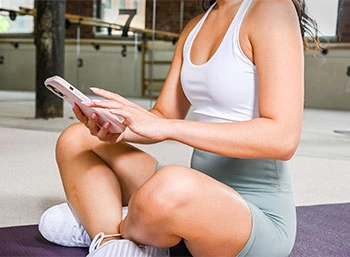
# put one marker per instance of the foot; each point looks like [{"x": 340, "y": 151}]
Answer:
[
  {"x": 123, "y": 248},
  {"x": 60, "y": 226}
]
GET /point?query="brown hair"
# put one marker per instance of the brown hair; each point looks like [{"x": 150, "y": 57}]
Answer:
[{"x": 308, "y": 26}]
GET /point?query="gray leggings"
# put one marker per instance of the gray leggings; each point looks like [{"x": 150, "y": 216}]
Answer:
[{"x": 266, "y": 186}]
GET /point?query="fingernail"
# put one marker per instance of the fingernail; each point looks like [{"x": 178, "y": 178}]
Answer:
[
  {"x": 86, "y": 102},
  {"x": 106, "y": 125},
  {"x": 96, "y": 101},
  {"x": 93, "y": 116},
  {"x": 94, "y": 88},
  {"x": 120, "y": 138}
]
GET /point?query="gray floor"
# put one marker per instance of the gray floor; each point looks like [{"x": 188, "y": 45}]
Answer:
[{"x": 30, "y": 183}]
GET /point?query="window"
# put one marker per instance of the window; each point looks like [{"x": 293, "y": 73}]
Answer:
[
  {"x": 112, "y": 15},
  {"x": 122, "y": 4},
  {"x": 22, "y": 24},
  {"x": 325, "y": 12},
  {"x": 109, "y": 12},
  {"x": 107, "y": 3}
]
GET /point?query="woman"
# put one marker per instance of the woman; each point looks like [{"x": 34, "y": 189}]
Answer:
[{"x": 240, "y": 66}]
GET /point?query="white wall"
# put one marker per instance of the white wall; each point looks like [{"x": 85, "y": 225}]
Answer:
[
  {"x": 327, "y": 85},
  {"x": 105, "y": 68}
]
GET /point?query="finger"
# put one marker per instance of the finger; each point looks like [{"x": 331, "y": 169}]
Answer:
[
  {"x": 79, "y": 114},
  {"x": 107, "y": 104},
  {"x": 104, "y": 131},
  {"x": 112, "y": 96},
  {"x": 121, "y": 137},
  {"x": 106, "y": 136},
  {"x": 93, "y": 125},
  {"x": 125, "y": 114}
]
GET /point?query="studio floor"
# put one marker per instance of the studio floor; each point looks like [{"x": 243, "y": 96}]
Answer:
[{"x": 30, "y": 183}]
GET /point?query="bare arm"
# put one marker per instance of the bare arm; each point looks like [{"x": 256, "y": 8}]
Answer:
[
  {"x": 171, "y": 103},
  {"x": 277, "y": 51}
]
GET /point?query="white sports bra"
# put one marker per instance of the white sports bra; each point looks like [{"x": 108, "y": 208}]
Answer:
[{"x": 225, "y": 88}]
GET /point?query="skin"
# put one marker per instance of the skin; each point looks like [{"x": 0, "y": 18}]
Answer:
[{"x": 101, "y": 172}]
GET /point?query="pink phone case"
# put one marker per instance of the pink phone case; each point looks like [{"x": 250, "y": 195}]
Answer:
[{"x": 66, "y": 91}]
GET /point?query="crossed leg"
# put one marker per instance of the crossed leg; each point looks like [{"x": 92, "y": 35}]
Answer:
[
  {"x": 99, "y": 178},
  {"x": 164, "y": 207}
]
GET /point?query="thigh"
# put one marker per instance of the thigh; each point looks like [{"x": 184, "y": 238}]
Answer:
[
  {"x": 77, "y": 149},
  {"x": 222, "y": 219},
  {"x": 274, "y": 229},
  {"x": 212, "y": 218}
]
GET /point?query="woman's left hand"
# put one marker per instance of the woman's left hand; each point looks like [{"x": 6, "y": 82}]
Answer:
[{"x": 139, "y": 120}]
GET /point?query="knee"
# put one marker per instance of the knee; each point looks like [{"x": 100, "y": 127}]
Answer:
[
  {"x": 165, "y": 194},
  {"x": 71, "y": 135},
  {"x": 158, "y": 205},
  {"x": 70, "y": 138}
]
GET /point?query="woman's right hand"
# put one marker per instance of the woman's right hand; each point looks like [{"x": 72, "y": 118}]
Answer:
[{"x": 101, "y": 132}]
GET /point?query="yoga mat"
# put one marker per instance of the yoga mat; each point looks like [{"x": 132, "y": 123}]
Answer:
[
  {"x": 27, "y": 241},
  {"x": 323, "y": 231}
]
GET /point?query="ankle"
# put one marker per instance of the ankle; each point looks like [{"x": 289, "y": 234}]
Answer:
[
  {"x": 109, "y": 238},
  {"x": 101, "y": 239}
]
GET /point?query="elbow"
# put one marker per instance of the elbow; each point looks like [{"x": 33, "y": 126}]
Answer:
[
  {"x": 286, "y": 140},
  {"x": 286, "y": 155},
  {"x": 285, "y": 146},
  {"x": 286, "y": 149}
]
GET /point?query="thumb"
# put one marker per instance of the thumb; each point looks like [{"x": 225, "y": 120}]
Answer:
[{"x": 121, "y": 136}]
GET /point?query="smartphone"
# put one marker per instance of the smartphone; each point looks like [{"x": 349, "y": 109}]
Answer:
[{"x": 69, "y": 93}]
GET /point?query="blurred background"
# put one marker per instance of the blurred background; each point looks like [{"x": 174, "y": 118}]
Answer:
[
  {"x": 136, "y": 63},
  {"x": 126, "y": 46}
]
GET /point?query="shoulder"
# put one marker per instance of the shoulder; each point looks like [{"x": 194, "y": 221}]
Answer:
[
  {"x": 272, "y": 22},
  {"x": 268, "y": 23},
  {"x": 268, "y": 15},
  {"x": 272, "y": 7}
]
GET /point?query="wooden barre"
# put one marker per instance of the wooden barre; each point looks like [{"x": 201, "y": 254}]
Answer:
[
  {"x": 73, "y": 42},
  {"x": 90, "y": 21},
  {"x": 85, "y": 20}
]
